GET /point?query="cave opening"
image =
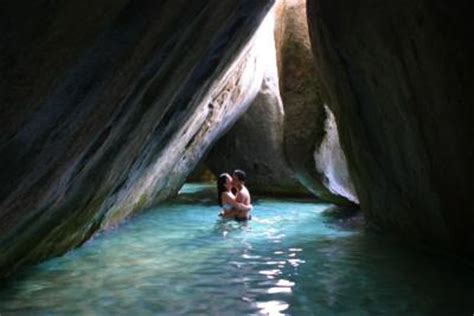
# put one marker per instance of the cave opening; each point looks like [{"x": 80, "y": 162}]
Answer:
[
  {"x": 111, "y": 115},
  {"x": 287, "y": 139}
]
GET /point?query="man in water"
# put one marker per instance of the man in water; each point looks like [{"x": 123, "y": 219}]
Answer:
[{"x": 242, "y": 194}]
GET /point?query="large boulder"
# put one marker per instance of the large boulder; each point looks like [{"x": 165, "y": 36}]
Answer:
[
  {"x": 255, "y": 142},
  {"x": 105, "y": 111},
  {"x": 331, "y": 161},
  {"x": 276, "y": 139},
  {"x": 304, "y": 98},
  {"x": 398, "y": 73}
]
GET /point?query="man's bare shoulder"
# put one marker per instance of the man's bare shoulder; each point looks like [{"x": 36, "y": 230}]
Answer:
[{"x": 245, "y": 194}]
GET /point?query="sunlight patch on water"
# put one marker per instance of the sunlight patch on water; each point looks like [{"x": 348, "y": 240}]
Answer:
[{"x": 175, "y": 259}]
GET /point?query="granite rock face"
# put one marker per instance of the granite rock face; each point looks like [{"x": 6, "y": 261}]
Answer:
[
  {"x": 255, "y": 142},
  {"x": 275, "y": 140},
  {"x": 399, "y": 76},
  {"x": 105, "y": 112},
  {"x": 304, "y": 98},
  {"x": 332, "y": 163}
]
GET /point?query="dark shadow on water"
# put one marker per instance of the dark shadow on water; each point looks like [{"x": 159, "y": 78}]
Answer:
[
  {"x": 206, "y": 196},
  {"x": 354, "y": 274},
  {"x": 370, "y": 274},
  {"x": 346, "y": 218}
]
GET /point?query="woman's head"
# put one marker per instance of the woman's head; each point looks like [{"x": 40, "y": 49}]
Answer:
[{"x": 224, "y": 184}]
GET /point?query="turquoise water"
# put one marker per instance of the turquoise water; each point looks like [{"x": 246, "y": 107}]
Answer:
[{"x": 294, "y": 258}]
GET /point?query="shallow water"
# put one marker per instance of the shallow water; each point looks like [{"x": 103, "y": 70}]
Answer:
[{"x": 294, "y": 257}]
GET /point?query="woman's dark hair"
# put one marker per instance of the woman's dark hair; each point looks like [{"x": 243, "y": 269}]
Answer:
[{"x": 221, "y": 186}]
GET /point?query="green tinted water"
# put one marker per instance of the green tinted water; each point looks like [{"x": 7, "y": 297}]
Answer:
[{"x": 293, "y": 257}]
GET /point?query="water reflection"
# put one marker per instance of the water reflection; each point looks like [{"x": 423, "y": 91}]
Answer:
[
  {"x": 293, "y": 257},
  {"x": 272, "y": 307},
  {"x": 225, "y": 226}
]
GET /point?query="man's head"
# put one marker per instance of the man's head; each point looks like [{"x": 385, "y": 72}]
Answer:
[{"x": 239, "y": 176}]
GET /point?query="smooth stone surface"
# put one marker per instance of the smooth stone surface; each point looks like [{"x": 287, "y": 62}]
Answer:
[
  {"x": 255, "y": 142},
  {"x": 106, "y": 110},
  {"x": 304, "y": 97},
  {"x": 332, "y": 163},
  {"x": 399, "y": 75},
  {"x": 275, "y": 140}
]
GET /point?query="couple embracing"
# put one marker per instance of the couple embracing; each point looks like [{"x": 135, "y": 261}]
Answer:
[{"x": 233, "y": 196}]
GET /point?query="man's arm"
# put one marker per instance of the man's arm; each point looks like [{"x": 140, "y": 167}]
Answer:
[{"x": 238, "y": 205}]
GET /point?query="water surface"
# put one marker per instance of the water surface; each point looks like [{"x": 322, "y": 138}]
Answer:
[{"x": 294, "y": 257}]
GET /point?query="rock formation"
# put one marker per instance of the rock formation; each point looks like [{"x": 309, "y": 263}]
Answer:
[
  {"x": 106, "y": 111},
  {"x": 255, "y": 142},
  {"x": 398, "y": 73},
  {"x": 304, "y": 98},
  {"x": 331, "y": 161},
  {"x": 276, "y": 138}
]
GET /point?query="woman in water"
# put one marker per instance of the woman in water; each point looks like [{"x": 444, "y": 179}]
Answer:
[{"x": 226, "y": 199}]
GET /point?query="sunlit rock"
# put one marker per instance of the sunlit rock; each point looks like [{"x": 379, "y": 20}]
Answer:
[
  {"x": 303, "y": 97},
  {"x": 106, "y": 111},
  {"x": 255, "y": 142},
  {"x": 275, "y": 140},
  {"x": 331, "y": 161}
]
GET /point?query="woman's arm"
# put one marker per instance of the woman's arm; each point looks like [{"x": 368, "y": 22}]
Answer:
[{"x": 230, "y": 200}]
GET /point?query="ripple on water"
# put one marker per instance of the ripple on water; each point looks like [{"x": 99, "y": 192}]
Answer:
[{"x": 294, "y": 257}]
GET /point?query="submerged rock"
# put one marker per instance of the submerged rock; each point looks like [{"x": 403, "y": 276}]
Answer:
[
  {"x": 402, "y": 97},
  {"x": 106, "y": 111}
]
